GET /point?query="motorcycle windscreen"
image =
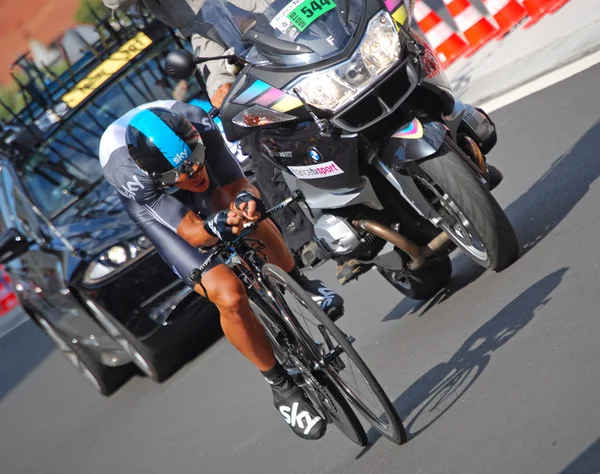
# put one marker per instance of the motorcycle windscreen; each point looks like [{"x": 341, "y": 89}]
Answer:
[
  {"x": 329, "y": 163},
  {"x": 281, "y": 32}
]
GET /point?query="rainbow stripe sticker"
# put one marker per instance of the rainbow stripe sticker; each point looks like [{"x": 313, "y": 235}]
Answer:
[
  {"x": 398, "y": 10},
  {"x": 263, "y": 94},
  {"x": 413, "y": 131}
]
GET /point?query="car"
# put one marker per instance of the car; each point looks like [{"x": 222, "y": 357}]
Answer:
[{"x": 81, "y": 268}]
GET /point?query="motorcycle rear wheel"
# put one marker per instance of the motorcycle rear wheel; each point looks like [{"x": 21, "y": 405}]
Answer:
[{"x": 420, "y": 284}]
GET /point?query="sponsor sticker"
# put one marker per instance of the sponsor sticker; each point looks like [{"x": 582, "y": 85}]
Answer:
[
  {"x": 322, "y": 170},
  {"x": 281, "y": 21},
  {"x": 107, "y": 69}
]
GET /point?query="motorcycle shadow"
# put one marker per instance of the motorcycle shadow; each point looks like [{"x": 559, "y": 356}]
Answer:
[
  {"x": 551, "y": 198},
  {"x": 434, "y": 393}
]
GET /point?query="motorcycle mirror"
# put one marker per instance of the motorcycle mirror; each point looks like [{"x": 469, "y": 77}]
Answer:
[{"x": 180, "y": 64}]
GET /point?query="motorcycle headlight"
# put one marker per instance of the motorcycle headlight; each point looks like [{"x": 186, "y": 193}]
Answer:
[
  {"x": 332, "y": 88},
  {"x": 116, "y": 258}
]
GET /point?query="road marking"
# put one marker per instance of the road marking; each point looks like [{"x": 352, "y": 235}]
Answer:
[{"x": 547, "y": 80}]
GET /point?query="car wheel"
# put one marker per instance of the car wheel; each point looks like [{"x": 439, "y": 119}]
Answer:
[
  {"x": 106, "y": 380},
  {"x": 154, "y": 365}
]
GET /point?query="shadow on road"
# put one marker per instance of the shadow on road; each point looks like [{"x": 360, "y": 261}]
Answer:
[
  {"x": 21, "y": 351},
  {"x": 432, "y": 395},
  {"x": 464, "y": 273},
  {"x": 539, "y": 210},
  {"x": 587, "y": 462}
]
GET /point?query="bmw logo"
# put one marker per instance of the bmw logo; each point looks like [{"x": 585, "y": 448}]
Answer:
[{"x": 315, "y": 155}]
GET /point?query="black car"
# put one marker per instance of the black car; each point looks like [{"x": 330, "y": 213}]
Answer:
[{"x": 82, "y": 270}]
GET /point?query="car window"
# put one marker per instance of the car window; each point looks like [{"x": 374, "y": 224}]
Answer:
[
  {"x": 15, "y": 207},
  {"x": 66, "y": 165}
]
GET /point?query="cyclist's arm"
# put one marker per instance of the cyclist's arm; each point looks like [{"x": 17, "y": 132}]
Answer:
[
  {"x": 233, "y": 189},
  {"x": 121, "y": 172},
  {"x": 172, "y": 213},
  {"x": 179, "y": 218},
  {"x": 191, "y": 229}
]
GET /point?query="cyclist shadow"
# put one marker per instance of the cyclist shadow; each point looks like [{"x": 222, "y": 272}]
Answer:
[{"x": 432, "y": 395}]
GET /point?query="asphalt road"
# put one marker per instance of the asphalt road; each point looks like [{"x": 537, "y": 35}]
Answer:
[{"x": 499, "y": 373}]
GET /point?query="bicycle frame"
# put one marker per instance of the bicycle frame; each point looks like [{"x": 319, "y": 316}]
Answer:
[
  {"x": 314, "y": 365},
  {"x": 247, "y": 261}
]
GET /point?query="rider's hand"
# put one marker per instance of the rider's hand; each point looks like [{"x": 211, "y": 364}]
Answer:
[
  {"x": 224, "y": 225},
  {"x": 218, "y": 97},
  {"x": 250, "y": 206}
]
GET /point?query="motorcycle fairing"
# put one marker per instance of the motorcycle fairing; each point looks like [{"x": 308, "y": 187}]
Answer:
[
  {"x": 304, "y": 148},
  {"x": 413, "y": 142}
]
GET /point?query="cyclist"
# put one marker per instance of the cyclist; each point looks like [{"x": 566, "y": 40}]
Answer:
[{"x": 180, "y": 184}]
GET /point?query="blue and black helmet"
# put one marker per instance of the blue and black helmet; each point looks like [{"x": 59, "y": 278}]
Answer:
[{"x": 164, "y": 144}]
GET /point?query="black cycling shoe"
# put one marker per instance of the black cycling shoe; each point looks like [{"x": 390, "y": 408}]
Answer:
[
  {"x": 328, "y": 300},
  {"x": 298, "y": 412}
]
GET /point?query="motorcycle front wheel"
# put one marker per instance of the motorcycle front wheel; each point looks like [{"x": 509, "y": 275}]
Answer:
[{"x": 471, "y": 216}]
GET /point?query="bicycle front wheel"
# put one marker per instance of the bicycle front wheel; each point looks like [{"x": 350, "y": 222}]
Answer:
[
  {"x": 331, "y": 351},
  {"x": 322, "y": 392}
]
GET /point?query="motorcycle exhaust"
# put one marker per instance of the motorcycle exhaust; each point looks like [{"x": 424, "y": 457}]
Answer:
[{"x": 418, "y": 254}]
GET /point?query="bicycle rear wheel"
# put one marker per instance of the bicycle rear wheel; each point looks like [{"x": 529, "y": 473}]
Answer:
[
  {"x": 326, "y": 398},
  {"x": 330, "y": 351}
]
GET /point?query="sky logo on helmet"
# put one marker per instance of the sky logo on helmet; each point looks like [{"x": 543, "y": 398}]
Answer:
[{"x": 180, "y": 157}]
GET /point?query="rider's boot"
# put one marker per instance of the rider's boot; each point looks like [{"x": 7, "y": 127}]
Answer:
[
  {"x": 351, "y": 270},
  {"x": 329, "y": 301},
  {"x": 292, "y": 403}
]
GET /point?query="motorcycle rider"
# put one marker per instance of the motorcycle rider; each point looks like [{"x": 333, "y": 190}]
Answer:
[{"x": 180, "y": 184}]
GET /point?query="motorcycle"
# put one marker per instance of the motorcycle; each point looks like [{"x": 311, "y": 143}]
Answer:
[{"x": 353, "y": 105}]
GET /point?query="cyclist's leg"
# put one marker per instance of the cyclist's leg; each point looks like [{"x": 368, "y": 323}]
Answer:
[
  {"x": 278, "y": 254},
  {"x": 223, "y": 288},
  {"x": 276, "y": 249},
  {"x": 240, "y": 325}
]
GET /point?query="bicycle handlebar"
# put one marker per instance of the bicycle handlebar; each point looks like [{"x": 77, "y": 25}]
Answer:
[{"x": 196, "y": 274}]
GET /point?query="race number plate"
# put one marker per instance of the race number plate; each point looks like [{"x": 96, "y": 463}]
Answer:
[{"x": 308, "y": 12}]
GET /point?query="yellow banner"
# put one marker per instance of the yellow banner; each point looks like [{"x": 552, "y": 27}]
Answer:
[{"x": 107, "y": 69}]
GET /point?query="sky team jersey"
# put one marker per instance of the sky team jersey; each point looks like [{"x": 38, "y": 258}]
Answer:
[{"x": 169, "y": 209}]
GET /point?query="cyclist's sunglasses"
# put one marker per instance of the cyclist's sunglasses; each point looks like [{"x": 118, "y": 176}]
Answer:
[{"x": 170, "y": 177}]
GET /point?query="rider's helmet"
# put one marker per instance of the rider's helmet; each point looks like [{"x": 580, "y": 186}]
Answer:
[{"x": 164, "y": 144}]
